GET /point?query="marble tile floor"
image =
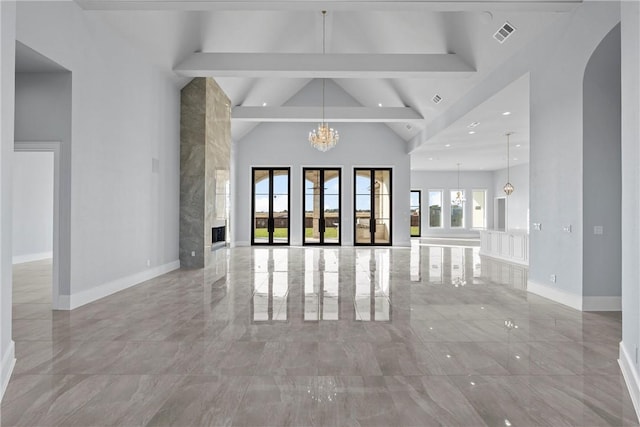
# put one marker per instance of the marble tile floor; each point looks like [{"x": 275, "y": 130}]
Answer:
[{"x": 426, "y": 336}]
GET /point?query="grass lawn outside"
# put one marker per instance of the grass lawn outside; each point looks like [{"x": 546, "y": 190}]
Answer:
[
  {"x": 330, "y": 233},
  {"x": 278, "y": 233},
  {"x": 415, "y": 231},
  {"x": 281, "y": 233}
]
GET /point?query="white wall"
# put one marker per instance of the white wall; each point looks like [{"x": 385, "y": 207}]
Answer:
[
  {"x": 448, "y": 181},
  {"x": 7, "y": 89},
  {"x": 125, "y": 113},
  {"x": 32, "y": 206},
  {"x": 630, "y": 39},
  {"x": 286, "y": 145},
  {"x": 518, "y": 201}
]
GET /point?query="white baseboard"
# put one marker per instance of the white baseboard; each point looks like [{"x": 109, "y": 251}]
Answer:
[
  {"x": 240, "y": 244},
  {"x": 556, "y": 295},
  {"x": 601, "y": 303},
  {"x": 19, "y": 259},
  {"x": 631, "y": 377},
  {"x": 70, "y": 302},
  {"x": 8, "y": 363},
  {"x": 505, "y": 259}
]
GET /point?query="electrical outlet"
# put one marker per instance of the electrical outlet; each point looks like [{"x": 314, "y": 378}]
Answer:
[
  {"x": 552, "y": 278},
  {"x": 537, "y": 226},
  {"x": 598, "y": 230},
  {"x": 193, "y": 253},
  {"x": 567, "y": 228}
]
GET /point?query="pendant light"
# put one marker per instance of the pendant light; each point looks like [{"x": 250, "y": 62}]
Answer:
[
  {"x": 459, "y": 199},
  {"x": 508, "y": 187}
]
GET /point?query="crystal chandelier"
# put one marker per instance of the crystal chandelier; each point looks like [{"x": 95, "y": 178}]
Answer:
[
  {"x": 508, "y": 187},
  {"x": 459, "y": 199},
  {"x": 324, "y": 138}
]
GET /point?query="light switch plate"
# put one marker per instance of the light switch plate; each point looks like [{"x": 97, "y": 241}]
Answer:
[
  {"x": 537, "y": 226},
  {"x": 598, "y": 229}
]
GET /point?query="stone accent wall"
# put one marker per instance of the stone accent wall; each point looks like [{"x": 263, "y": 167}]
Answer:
[{"x": 205, "y": 160}]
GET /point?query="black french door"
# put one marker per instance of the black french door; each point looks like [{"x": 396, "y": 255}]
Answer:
[
  {"x": 270, "y": 206},
  {"x": 372, "y": 206},
  {"x": 416, "y": 213},
  {"x": 321, "y": 210}
]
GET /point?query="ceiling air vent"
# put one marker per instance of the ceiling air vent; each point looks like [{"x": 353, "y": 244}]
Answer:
[
  {"x": 504, "y": 32},
  {"x": 436, "y": 99}
]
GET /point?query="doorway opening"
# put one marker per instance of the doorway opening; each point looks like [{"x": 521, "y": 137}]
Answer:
[{"x": 36, "y": 213}]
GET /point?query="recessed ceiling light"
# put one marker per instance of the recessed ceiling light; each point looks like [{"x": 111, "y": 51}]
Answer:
[
  {"x": 472, "y": 125},
  {"x": 430, "y": 158},
  {"x": 506, "y": 113},
  {"x": 379, "y": 104},
  {"x": 447, "y": 145},
  {"x": 518, "y": 145},
  {"x": 471, "y": 132},
  {"x": 264, "y": 104},
  {"x": 515, "y": 158}
]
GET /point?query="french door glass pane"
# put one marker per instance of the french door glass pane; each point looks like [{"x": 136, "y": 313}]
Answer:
[
  {"x": 312, "y": 206},
  {"x": 331, "y": 218},
  {"x": 382, "y": 199},
  {"x": 331, "y": 206},
  {"x": 280, "y": 206}
]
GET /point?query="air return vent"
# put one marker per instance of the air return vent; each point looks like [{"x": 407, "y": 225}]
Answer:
[
  {"x": 436, "y": 99},
  {"x": 504, "y": 32}
]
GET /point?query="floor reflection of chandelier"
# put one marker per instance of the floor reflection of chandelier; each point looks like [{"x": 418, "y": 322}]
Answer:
[{"x": 323, "y": 390}]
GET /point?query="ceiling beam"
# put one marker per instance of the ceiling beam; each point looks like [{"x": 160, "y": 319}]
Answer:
[
  {"x": 335, "y": 5},
  {"x": 332, "y": 114},
  {"x": 317, "y": 65}
]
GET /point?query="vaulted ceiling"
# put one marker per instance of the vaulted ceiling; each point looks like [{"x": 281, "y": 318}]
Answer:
[{"x": 391, "y": 54}]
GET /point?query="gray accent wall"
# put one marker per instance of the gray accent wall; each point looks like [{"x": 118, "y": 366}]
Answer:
[
  {"x": 601, "y": 170},
  {"x": 7, "y": 91},
  {"x": 205, "y": 156},
  {"x": 630, "y": 71}
]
